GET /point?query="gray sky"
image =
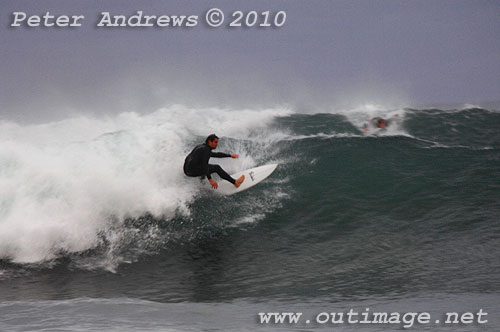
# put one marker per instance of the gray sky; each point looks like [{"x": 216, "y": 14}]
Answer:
[{"x": 328, "y": 54}]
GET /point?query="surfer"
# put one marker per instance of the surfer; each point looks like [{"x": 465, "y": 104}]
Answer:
[
  {"x": 196, "y": 163},
  {"x": 377, "y": 122}
]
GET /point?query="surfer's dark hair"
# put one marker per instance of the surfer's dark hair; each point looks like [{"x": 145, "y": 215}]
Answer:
[{"x": 211, "y": 138}]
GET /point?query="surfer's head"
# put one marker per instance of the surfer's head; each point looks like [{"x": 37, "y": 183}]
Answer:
[
  {"x": 381, "y": 123},
  {"x": 212, "y": 141}
]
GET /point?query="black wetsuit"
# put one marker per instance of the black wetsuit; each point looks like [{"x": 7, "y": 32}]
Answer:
[{"x": 196, "y": 163}]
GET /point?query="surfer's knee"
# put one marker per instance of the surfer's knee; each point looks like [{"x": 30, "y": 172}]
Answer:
[{"x": 217, "y": 169}]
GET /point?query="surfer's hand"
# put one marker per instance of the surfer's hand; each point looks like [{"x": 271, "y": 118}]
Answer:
[
  {"x": 213, "y": 183},
  {"x": 235, "y": 155}
]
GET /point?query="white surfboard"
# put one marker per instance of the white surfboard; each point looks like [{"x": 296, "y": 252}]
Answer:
[{"x": 252, "y": 177}]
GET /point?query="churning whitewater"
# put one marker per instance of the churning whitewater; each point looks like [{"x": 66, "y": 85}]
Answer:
[{"x": 70, "y": 185}]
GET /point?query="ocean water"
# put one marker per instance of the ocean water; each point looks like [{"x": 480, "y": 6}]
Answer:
[{"x": 101, "y": 231}]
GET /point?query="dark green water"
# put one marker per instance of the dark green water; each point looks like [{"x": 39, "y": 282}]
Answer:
[{"x": 400, "y": 218}]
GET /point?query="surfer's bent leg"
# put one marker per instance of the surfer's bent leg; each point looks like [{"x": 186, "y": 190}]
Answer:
[{"x": 217, "y": 169}]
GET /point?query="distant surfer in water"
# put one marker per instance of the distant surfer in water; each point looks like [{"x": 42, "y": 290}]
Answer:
[
  {"x": 196, "y": 163},
  {"x": 377, "y": 122}
]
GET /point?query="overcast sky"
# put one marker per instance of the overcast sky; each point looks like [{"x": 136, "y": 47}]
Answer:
[{"x": 328, "y": 54}]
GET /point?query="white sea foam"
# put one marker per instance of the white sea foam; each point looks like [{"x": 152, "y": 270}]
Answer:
[{"x": 64, "y": 183}]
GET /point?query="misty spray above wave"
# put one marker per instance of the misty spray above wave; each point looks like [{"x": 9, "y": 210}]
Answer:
[{"x": 65, "y": 184}]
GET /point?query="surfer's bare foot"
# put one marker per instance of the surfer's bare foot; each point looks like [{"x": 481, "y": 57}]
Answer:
[{"x": 239, "y": 181}]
